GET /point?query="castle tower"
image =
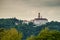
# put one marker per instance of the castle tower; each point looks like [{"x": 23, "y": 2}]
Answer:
[{"x": 38, "y": 15}]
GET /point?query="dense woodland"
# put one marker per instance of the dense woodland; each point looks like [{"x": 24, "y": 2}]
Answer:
[{"x": 10, "y": 31}]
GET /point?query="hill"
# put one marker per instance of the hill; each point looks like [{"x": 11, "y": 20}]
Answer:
[{"x": 27, "y": 29}]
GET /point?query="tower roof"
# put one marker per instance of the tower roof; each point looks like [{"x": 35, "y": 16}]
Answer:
[{"x": 40, "y": 19}]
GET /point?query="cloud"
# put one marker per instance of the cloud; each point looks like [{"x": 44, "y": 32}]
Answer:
[
  {"x": 32, "y": 3},
  {"x": 43, "y": 3},
  {"x": 28, "y": 9}
]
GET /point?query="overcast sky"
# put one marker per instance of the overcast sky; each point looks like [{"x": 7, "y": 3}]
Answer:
[{"x": 28, "y": 9}]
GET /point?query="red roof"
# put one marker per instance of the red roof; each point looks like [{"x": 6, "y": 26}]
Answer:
[
  {"x": 25, "y": 20},
  {"x": 40, "y": 19}
]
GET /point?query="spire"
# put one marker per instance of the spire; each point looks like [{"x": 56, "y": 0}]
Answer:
[{"x": 38, "y": 15}]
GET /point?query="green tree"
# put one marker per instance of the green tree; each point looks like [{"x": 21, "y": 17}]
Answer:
[
  {"x": 11, "y": 34},
  {"x": 46, "y": 34},
  {"x": 31, "y": 38}
]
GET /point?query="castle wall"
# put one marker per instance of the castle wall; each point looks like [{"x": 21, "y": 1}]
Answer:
[{"x": 40, "y": 22}]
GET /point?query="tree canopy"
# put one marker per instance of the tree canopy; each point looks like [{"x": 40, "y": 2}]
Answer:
[{"x": 11, "y": 34}]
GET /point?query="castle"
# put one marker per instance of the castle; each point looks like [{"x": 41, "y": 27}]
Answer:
[{"x": 38, "y": 21}]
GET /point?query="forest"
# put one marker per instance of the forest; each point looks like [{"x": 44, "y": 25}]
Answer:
[{"x": 10, "y": 31}]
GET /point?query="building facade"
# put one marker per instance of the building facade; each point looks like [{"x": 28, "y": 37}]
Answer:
[{"x": 40, "y": 21}]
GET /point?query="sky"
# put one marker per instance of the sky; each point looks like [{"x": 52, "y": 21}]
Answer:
[{"x": 29, "y": 9}]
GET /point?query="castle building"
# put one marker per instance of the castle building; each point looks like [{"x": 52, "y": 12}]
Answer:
[
  {"x": 37, "y": 21},
  {"x": 40, "y": 21},
  {"x": 25, "y": 21}
]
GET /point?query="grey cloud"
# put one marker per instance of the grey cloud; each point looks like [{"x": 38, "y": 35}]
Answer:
[
  {"x": 34, "y": 3},
  {"x": 39, "y": 3}
]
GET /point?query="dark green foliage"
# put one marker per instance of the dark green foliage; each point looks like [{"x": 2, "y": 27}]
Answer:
[
  {"x": 53, "y": 25},
  {"x": 8, "y": 23}
]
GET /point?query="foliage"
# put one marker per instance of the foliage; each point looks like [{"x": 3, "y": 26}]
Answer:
[
  {"x": 47, "y": 34},
  {"x": 31, "y": 38},
  {"x": 11, "y": 34},
  {"x": 26, "y": 29},
  {"x": 9, "y": 22}
]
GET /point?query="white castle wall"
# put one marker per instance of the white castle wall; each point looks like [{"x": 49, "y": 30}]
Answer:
[{"x": 40, "y": 22}]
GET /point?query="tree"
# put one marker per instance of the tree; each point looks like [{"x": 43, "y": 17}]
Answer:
[
  {"x": 31, "y": 24},
  {"x": 47, "y": 34},
  {"x": 11, "y": 34},
  {"x": 31, "y": 38}
]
